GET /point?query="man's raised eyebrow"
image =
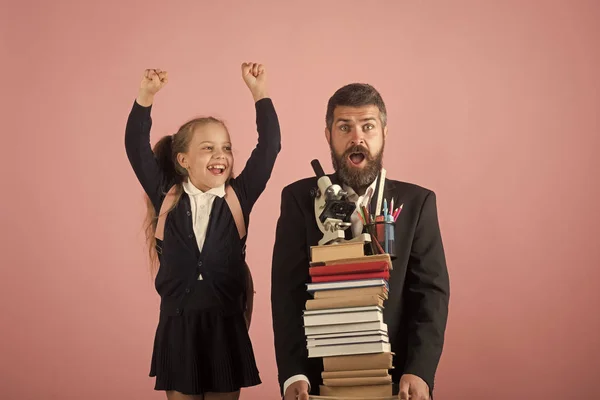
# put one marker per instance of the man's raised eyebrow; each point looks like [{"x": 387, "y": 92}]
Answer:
[{"x": 342, "y": 120}]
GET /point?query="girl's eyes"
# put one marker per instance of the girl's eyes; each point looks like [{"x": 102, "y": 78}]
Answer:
[{"x": 210, "y": 148}]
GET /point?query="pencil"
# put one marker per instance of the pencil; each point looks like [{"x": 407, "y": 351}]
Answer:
[{"x": 398, "y": 212}]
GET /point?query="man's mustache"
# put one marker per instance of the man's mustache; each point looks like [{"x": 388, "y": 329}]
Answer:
[{"x": 356, "y": 149}]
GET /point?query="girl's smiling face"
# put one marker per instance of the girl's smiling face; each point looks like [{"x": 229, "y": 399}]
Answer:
[{"x": 208, "y": 160}]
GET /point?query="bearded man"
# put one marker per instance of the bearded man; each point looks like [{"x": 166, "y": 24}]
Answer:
[{"x": 416, "y": 310}]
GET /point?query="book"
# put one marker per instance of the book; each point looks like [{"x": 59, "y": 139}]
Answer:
[
  {"x": 352, "y": 292},
  {"x": 313, "y": 287},
  {"x": 347, "y": 334},
  {"x": 343, "y": 315},
  {"x": 354, "y": 374},
  {"x": 351, "y": 277},
  {"x": 348, "y": 349},
  {"x": 315, "y": 397},
  {"x": 344, "y": 301},
  {"x": 358, "y": 338},
  {"x": 345, "y": 328},
  {"x": 358, "y": 362},
  {"x": 337, "y": 251},
  {"x": 358, "y": 381},
  {"x": 355, "y": 260},
  {"x": 361, "y": 392},
  {"x": 349, "y": 268}
]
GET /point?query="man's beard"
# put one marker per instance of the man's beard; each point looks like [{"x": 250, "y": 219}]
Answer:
[{"x": 358, "y": 179}]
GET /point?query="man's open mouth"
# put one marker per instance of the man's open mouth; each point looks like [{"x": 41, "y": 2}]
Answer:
[{"x": 356, "y": 158}]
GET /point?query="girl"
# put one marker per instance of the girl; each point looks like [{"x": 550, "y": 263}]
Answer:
[{"x": 202, "y": 349}]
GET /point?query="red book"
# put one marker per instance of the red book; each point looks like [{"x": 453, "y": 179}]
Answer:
[
  {"x": 351, "y": 277},
  {"x": 337, "y": 269}
]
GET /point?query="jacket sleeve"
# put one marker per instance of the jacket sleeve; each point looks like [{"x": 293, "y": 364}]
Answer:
[
  {"x": 289, "y": 276},
  {"x": 140, "y": 154},
  {"x": 428, "y": 293},
  {"x": 253, "y": 179}
]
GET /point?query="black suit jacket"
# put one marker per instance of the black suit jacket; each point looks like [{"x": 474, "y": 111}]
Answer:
[{"x": 417, "y": 309}]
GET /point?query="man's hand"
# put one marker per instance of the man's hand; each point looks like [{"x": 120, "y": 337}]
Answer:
[
  {"x": 255, "y": 76},
  {"x": 152, "y": 81},
  {"x": 297, "y": 390},
  {"x": 412, "y": 387}
]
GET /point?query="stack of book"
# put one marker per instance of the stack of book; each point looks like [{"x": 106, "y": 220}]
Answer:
[{"x": 343, "y": 322}]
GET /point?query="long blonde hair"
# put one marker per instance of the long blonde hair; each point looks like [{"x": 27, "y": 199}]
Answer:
[{"x": 165, "y": 152}]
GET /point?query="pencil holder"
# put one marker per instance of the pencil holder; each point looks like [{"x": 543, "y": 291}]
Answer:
[{"x": 383, "y": 239}]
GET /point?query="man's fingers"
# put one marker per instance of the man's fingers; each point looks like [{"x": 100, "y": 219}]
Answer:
[
  {"x": 289, "y": 395},
  {"x": 303, "y": 396},
  {"x": 404, "y": 387},
  {"x": 422, "y": 396}
]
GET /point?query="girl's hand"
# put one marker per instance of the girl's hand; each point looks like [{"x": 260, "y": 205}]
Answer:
[
  {"x": 152, "y": 81},
  {"x": 255, "y": 76}
]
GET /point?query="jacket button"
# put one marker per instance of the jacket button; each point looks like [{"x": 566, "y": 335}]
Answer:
[
  {"x": 189, "y": 213},
  {"x": 187, "y": 290},
  {"x": 199, "y": 263},
  {"x": 178, "y": 311},
  {"x": 190, "y": 236}
]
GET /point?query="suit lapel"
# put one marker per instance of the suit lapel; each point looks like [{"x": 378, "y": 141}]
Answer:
[{"x": 389, "y": 193}]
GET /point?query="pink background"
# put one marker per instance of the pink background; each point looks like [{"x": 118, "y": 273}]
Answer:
[{"x": 494, "y": 105}]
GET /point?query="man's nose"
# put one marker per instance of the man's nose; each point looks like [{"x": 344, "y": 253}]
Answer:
[{"x": 357, "y": 137}]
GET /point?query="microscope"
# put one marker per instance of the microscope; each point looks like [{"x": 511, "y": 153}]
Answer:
[{"x": 333, "y": 210}]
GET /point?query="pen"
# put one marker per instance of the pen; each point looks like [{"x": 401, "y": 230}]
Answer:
[
  {"x": 392, "y": 207},
  {"x": 385, "y": 209}
]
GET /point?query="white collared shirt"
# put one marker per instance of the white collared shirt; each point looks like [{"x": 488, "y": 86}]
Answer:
[
  {"x": 201, "y": 205},
  {"x": 357, "y": 225}
]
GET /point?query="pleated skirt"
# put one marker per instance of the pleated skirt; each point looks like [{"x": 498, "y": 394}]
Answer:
[{"x": 203, "y": 351}]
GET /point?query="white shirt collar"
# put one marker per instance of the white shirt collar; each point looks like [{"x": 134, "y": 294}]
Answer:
[
  {"x": 192, "y": 190},
  {"x": 353, "y": 196}
]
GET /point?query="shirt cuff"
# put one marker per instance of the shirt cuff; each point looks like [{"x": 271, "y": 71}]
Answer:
[{"x": 293, "y": 379}]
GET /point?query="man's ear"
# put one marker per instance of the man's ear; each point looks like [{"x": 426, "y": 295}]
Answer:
[
  {"x": 328, "y": 135},
  {"x": 385, "y": 132}
]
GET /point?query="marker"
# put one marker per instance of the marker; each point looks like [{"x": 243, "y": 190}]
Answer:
[
  {"x": 389, "y": 235},
  {"x": 392, "y": 206},
  {"x": 385, "y": 209}
]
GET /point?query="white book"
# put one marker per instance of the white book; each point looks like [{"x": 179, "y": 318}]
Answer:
[
  {"x": 313, "y": 287},
  {"x": 343, "y": 310},
  {"x": 346, "y": 334},
  {"x": 349, "y": 349},
  {"x": 345, "y": 328},
  {"x": 343, "y": 318},
  {"x": 347, "y": 340}
]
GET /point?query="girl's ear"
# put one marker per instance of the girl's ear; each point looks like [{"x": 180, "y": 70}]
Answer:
[{"x": 182, "y": 160}]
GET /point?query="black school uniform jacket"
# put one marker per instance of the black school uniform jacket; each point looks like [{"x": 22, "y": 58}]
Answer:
[
  {"x": 417, "y": 309},
  {"x": 221, "y": 261}
]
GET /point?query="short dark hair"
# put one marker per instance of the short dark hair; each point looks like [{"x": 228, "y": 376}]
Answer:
[{"x": 355, "y": 95}]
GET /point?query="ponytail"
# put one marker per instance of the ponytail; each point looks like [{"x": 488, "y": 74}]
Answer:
[{"x": 165, "y": 157}]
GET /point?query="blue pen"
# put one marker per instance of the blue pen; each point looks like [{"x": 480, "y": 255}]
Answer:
[{"x": 385, "y": 209}]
